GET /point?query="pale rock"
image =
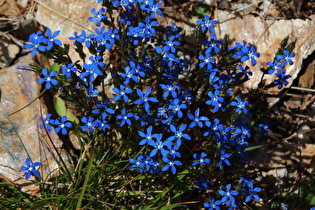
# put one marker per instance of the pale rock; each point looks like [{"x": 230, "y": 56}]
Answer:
[
  {"x": 267, "y": 36},
  {"x": 19, "y": 128}
]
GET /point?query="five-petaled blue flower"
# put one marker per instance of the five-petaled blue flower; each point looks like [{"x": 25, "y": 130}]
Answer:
[
  {"x": 228, "y": 195},
  {"x": 144, "y": 99},
  {"x": 48, "y": 78},
  {"x": 240, "y": 105},
  {"x": 30, "y": 168},
  {"x": 282, "y": 78},
  {"x": 36, "y": 40},
  {"x": 63, "y": 124},
  {"x": 98, "y": 16},
  {"x": 51, "y": 38}
]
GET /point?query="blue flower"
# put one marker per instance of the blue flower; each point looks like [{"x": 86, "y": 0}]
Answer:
[
  {"x": 275, "y": 66},
  {"x": 216, "y": 100},
  {"x": 243, "y": 72},
  {"x": 89, "y": 124},
  {"x": 147, "y": 136},
  {"x": 173, "y": 150},
  {"x": 196, "y": 120},
  {"x": 173, "y": 30},
  {"x": 213, "y": 46},
  {"x": 124, "y": 117},
  {"x": 102, "y": 124},
  {"x": 240, "y": 105},
  {"x": 263, "y": 127},
  {"x": 249, "y": 52},
  {"x": 223, "y": 158},
  {"x": 91, "y": 70},
  {"x": 149, "y": 31},
  {"x": 207, "y": 60},
  {"x": 46, "y": 122},
  {"x": 202, "y": 184},
  {"x": 98, "y": 16},
  {"x": 144, "y": 99},
  {"x": 91, "y": 92},
  {"x": 228, "y": 195},
  {"x": 171, "y": 163},
  {"x": 135, "y": 34},
  {"x": 159, "y": 146},
  {"x": 31, "y": 169},
  {"x": 170, "y": 88},
  {"x": 36, "y": 39},
  {"x": 62, "y": 125},
  {"x": 286, "y": 57},
  {"x": 282, "y": 78},
  {"x": 213, "y": 204},
  {"x": 170, "y": 45},
  {"x": 122, "y": 93},
  {"x": 201, "y": 160},
  {"x": 153, "y": 8},
  {"x": 67, "y": 69},
  {"x": 176, "y": 106},
  {"x": 48, "y": 78},
  {"x": 51, "y": 39},
  {"x": 137, "y": 164},
  {"x": 178, "y": 134},
  {"x": 102, "y": 108},
  {"x": 251, "y": 194},
  {"x": 206, "y": 24},
  {"x": 129, "y": 74}
]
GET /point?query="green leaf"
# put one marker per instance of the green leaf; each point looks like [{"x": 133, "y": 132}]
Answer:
[
  {"x": 62, "y": 110},
  {"x": 55, "y": 67},
  {"x": 202, "y": 9}
]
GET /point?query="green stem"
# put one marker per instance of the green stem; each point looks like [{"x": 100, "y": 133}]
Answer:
[{"x": 89, "y": 167}]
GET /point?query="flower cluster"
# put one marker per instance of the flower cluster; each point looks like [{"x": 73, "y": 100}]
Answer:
[{"x": 174, "y": 115}]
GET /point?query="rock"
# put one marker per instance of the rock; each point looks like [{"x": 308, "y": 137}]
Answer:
[
  {"x": 8, "y": 52},
  {"x": 20, "y": 131},
  {"x": 68, "y": 17},
  {"x": 267, "y": 35}
]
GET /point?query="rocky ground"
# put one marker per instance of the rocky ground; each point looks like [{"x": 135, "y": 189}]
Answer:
[{"x": 282, "y": 166}]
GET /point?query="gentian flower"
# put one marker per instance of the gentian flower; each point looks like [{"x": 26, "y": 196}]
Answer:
[
  {"x": 169, "y": 45},
  {"x": 48, "y": 78},
  {"x": 31, "y": 169},
  {"x": 159, "y": 146},
  {"x": 213, "y": 204},
  {"x": 202, "y": 184},
  {"x": 51, "y": 38},
  {"x": 196, "y": 120},
  {"x": 89, "y": 124},
  {"x": 224, "y": 159},
  {"x": 176, "y": 106},
  {"x": 228, "y": 195},
  {"x": 124, "y": 117},
  {"x": 286, "y": 57},
  {"x": 46, "y": 122},
  {"x": 147, "y": 136},
  {"x": 201, "y": 160},
  {"x": 251, "y": 193},
  {"x": 170, "y": 88},
  {"x": 171, "y": 163},
  {"x": 98, "y": 16},
  {"x": 122, "y": 93},
  {"x": 67, "y": 69},
  {"x": 249, "y": 53},
  {"x": 35, "y": 41},
  {"x": 240, "y": 105},
  {"x": 62, "y": 125},
  {"x": 282, "y": 78},
  {"x": 207, "y": 23},
  {"x": 144, "y": 99}
]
